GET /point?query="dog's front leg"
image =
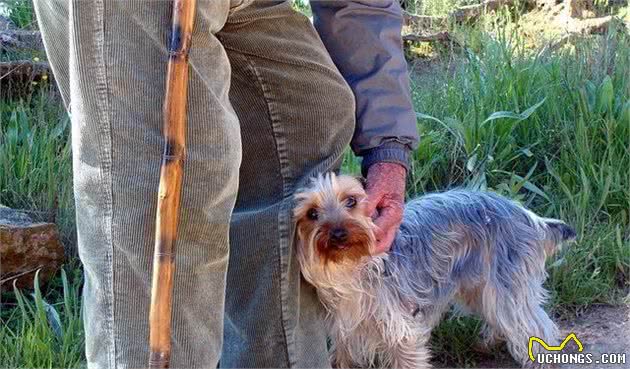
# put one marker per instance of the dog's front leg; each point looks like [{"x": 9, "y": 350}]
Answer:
[
  {"x": 340, "y": 356},
  {"x": 408, "y": 354}
]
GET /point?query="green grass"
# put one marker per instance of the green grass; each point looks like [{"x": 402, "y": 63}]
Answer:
[
  {"x": 20, "y": 13},
  {"x": 35, "y": 159},
  {"x": 549, "y": 129},
  {"x": 561, "y": 146},
  {"x": 568, "y": 158},
  {"x": 44, "y": 331}
]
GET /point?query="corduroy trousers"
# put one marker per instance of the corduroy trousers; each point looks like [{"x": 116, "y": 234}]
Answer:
[{"x": 267, "y": 109}]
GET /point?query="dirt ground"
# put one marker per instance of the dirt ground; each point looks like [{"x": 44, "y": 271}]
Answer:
[{"x": 601, "y": 329}]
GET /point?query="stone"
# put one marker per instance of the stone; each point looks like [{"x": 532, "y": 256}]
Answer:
[{"x": 25, "y": 247}]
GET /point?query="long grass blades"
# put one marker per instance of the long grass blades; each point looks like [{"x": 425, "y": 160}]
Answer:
[
  {"x": 40, "y": 330},
  {"x": 169, "y": 191}
]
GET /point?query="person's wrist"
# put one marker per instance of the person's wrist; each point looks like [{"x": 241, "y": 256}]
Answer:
[
  {"x": 386, "y": 180},
  {"x": 389, "y": 167},
  {"x": 387, "y": 171},
  {"x": 389, "y": 152}
]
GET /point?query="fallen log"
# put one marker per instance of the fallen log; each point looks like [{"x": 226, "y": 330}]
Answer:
[
  {"x": 23, "y": 69},
  {"x": 25, "y": 247},
  {"x": 21, "y": 39},
  {"x": 595, "y": 25},
  {"x": 20, "y": 78},
  {"x": 460, "y": 15},
  {"x": 585, "y": 27}
]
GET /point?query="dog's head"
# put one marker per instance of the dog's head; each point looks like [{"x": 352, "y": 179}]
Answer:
[{"x": 335, "y": 232}]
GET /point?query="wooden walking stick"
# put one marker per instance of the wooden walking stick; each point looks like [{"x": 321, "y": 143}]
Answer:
[{"x": 169, "y": 192}]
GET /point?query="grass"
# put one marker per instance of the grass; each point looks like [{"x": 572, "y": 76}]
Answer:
[
  {"x": 44, "y": 331},
  {"x": 569, "y": 158},
  {"x": 20, "y": 12},
  {"x": 549, "y": 129},
  {"x": 35, "y": 159}
]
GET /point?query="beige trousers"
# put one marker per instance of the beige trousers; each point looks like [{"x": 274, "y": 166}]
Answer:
[{"x": 267, "y": 110}]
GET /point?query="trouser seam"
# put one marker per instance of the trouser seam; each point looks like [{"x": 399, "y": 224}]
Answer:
[
  {"x": 285, "y": 171},
  {"x": 105, "y": 157}
]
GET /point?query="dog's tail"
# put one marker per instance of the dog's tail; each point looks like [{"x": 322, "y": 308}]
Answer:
[{"x": 558, "y": 233}]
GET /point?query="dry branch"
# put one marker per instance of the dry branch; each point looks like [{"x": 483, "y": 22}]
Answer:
[
  {"x": 423, "y": 21},
  {"x": 471, "y": 12},
  {"x": 434, "y": 37}
]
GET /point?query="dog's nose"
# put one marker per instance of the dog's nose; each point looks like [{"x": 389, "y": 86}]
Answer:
[{"x": 338, "y": 235}]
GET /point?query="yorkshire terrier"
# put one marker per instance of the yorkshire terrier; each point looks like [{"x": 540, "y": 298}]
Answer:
[{"x": 475, "y": 250}]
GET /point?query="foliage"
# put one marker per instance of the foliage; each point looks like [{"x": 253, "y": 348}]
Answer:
[
  {"x": 39, "y": 333},
  {"x": 35, "y": 159},
  {"x": 303, "y": 6},
  {"x": 550, "y": 129},
  {"x": 20, "y": 12}
]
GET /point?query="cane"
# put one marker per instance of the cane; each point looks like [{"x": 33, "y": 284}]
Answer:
[{"x": 169, "y": 192}]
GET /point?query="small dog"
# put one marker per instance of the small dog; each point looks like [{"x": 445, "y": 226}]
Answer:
[{"x": 477, "y": 250}]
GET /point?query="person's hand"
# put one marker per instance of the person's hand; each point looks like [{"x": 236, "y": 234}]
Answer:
[{"x": 386, "y": 195}]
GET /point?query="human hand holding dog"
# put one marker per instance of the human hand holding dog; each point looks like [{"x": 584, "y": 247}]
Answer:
[{"x": 386, "y": 196}]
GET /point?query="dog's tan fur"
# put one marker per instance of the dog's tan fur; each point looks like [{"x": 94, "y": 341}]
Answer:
[{"x": 456, "y": 252}]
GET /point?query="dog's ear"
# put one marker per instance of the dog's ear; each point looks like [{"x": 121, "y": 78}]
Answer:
[{"x": 362, "y": 180}]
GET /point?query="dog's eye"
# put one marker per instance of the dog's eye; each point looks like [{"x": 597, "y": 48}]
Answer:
[
  {"x": 312, "y": 214},
  {"x": 351, "y": 202}
]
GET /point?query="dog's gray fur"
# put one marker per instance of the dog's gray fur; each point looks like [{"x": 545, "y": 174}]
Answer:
[{"x": 478, "y": 250}]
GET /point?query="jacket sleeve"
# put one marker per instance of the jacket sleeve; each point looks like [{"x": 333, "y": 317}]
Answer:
[{"x": 364, "y": 41}]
